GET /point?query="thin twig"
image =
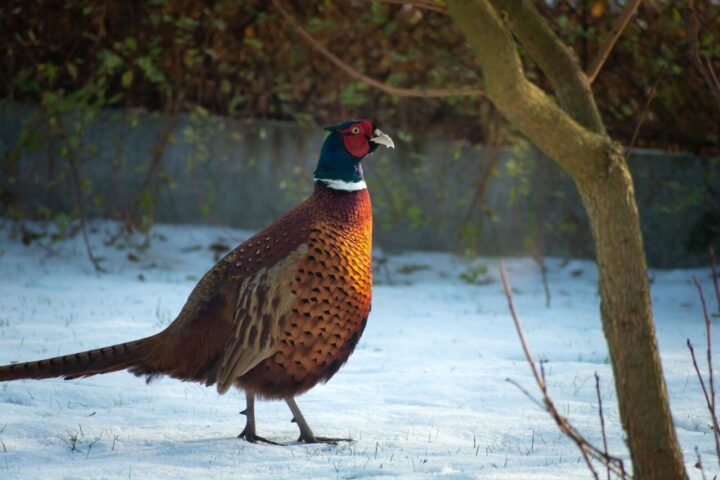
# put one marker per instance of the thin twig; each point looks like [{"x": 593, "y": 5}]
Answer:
[
  {"x": 518, "y": 327},
  {"x": 699, "y": 464},
  {"x": 587, "y": 450},
  {"x": 526, "y": 393},
  {"x": 602, "y": 420},
  {"x": 615, "y": 33},
  {"x": 543, "y": 275},
  {"x": 700, "y": 377},
  {"x": 645, "y": 109},
  {"x": 705, "y": 68},
  {"x": 539, "y": 249},
  {"x": 482, "y": 182},
  {"x": 77, "y": 186},
  {"x": 83, "y": 218},
  {"x": 543, "y": 405},
  {"x": 713, "y": 270},
  {"x": 708, "y": 338},
  {"x": 709, "y": 395},
  {"x": 481, "y": 186},
  {"x": 355, "y": 74},
  {"x": 158, "y": 154}
]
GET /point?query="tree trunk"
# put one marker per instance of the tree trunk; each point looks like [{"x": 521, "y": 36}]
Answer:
[
  {"x": 572, "y": 134},
  {"x": 628, "y": 324}
]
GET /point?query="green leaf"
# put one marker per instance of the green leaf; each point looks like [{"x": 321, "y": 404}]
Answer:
[
  {"x": 253, "y": 42},
  {"x": 127, "y": 78},
  {"x": 352, "y": 95},
  {"x": 110, "y": 61},
  {"x": 72, "y": 70},
  {"x": 148, "y": 67}
]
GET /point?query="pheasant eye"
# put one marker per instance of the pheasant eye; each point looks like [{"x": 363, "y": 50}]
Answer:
[{"x": 355, "y": 130}]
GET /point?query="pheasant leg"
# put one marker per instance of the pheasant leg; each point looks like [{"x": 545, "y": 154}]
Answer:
[
  {"x": 306, "y": 433},
  {"x": 248, "y": 432}
]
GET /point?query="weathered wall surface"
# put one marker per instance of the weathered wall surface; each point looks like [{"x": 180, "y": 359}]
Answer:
[{"x": 223, "y": 171}]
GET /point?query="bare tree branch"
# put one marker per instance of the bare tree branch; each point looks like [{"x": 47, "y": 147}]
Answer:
[
  {"x": 705, "y": 394},
  {"x": 539, "y": 248},
  {"x": 518, "y": 327},
  {"x": 356, "y": 75},
  {"x": 699, "y": 464},
  {"x": 617, "y": 30},
  {"x": 705, "y": 68},
  {"x": 600, "y": 171},
  {"x": 156, "y": 161},
  {"x": 522, "y": 102},
  {"x": 709, "y": 395},
  {"x": 587, "y": 450},
  {"x": 526, "y": 393},
  {"x": 555, "y": 59},
  {"x": 645, "y": 109},
  {"x": 79, "y": 202},
  {"x": 708, "y": 339},
  {"x": 83, "y": 217},
  {"x": 714, "y": 272},
  {"x": 602, "y": 421}
]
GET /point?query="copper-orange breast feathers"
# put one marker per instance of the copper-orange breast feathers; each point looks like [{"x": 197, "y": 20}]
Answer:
[{"x": 332, "y": 289}]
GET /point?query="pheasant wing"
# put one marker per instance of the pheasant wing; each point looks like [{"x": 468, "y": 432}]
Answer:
[{"x": 264, "y": 302}]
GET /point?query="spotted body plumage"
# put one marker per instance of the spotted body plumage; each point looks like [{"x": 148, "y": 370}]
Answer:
[{"x": 332, "y": 284}]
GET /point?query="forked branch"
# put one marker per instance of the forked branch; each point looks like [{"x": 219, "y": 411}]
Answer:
[
  {"x": 556, "y": 60},
  {"x": 587, "y": 450}
]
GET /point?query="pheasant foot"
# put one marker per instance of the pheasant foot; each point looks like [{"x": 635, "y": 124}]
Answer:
[
  {"x": 252, "y": 437},
  {"x": 306, "y": 433},
  {"x": 248, "y": 432}
]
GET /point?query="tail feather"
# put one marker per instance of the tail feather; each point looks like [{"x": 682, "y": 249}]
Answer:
[{"x": 81, "y": 364}]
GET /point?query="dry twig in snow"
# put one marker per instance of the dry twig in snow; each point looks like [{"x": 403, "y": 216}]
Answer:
[
  {"x": 588, "y": 451},
  {"x": 708, "y": 394}
]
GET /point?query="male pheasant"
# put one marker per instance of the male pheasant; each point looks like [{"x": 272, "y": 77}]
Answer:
[{"x": 281, "y": 312}]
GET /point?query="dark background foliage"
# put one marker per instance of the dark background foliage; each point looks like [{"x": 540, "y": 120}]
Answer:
[
  {"x": 242, "y": 59},
  {"x": 75, "y": 61}
]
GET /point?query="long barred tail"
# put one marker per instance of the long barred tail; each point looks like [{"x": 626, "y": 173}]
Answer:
[{"x": 82, "y": 364}]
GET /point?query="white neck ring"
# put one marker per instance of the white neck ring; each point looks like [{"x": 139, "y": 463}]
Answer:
[{"x": 342, "y": 184}]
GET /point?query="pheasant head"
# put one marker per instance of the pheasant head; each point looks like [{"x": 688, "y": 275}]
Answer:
[{"x": 348, "y": 143}]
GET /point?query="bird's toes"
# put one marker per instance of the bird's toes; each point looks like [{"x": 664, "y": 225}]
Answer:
[{"x": 253, "y": 438}]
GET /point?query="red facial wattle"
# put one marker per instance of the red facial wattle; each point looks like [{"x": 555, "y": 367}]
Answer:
[
  {"x": 356, "y": 138},
  {"x": 357, "y": 145}
]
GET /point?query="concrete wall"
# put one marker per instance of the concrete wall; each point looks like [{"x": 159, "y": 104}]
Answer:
[{"x": 225, "y": 171}]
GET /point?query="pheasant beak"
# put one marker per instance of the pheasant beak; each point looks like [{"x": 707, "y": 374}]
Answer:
[{"x": 382, "y": 139}]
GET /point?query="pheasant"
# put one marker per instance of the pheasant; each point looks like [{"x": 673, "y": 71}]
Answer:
[{"x": 278, "y": 314}]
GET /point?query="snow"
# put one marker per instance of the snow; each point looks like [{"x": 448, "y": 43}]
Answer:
[{"x": 424, "y": 395}]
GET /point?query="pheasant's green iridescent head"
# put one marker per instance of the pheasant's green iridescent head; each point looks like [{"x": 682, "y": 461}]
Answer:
[{"x": 348, "y": 143}]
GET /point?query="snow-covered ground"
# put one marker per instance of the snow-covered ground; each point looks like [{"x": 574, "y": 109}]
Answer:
[{"x": 425, "y": 394}]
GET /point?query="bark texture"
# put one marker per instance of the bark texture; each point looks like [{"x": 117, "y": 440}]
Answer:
[
  {"x": 571, "y": 132},
  {"x": 628, "y": 324}
]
